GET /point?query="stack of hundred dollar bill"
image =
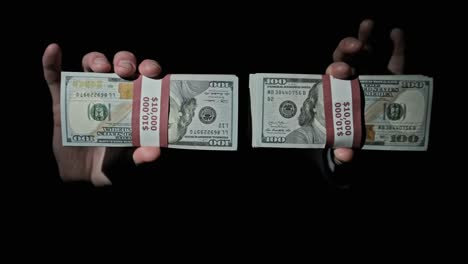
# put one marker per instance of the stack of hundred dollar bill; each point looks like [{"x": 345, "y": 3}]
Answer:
[
  {"x": 178, "y": 111},
  {"x": 288, "y": 111}
]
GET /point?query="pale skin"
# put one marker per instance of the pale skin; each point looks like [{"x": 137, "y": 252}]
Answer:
[{"x": 85, "y": 163}]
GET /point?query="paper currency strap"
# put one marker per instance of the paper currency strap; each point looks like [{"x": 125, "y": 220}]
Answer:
[
  {"x": 150, "y": 111},
  {"x": 342, "y": 103}
]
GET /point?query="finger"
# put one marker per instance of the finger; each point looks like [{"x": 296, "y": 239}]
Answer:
[
  {"x": 95, "y": 62},
  {"x": 146, "y": 154},
  {"x": 397, "y": 61},
  {"x": 125, "y": 64},
  {"x": 347, "y": 48},
  {"x": 365, "y": 30},
  {"x": 150, "y": 68},
  {"x": 340, "y": 70},
  {"x": 51, "y": 63},
  {"x": 343, "y": 155}
]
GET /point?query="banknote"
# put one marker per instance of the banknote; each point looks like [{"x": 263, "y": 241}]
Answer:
[
  {"x": 290, "y": 111},
  {"x": 177, "y": 111}
]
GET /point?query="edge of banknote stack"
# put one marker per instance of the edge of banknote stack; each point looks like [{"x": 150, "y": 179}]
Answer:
[
  {"x": 289, "y": 111},
  {"x": 178, "y": 111}
]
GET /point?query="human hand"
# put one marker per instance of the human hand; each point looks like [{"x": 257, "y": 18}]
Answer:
[
  {"x": 85, "y": 163},
  {"x": 354, "y": 55}
]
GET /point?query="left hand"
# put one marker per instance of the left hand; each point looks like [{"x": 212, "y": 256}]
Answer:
[
  {"x": 344, "y": 66},
  {"x": 87, "y": 163}
]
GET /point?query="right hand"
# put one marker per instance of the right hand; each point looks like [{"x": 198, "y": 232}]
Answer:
[
  {"x": 85, "y": 163},
  {"x": 354, "y": 55}
]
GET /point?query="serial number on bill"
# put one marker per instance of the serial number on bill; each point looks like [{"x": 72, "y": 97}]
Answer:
[
  {"x": 208, "y": 132},
  {"x": 94, "y": 95}
]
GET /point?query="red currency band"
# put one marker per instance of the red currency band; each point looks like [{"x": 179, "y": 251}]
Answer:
[
  {"x": 156, "y": 94},
  {"x": 342, "y": 105},
  {"x": 356, "y": 91},
  {"x": 163, "y": 136},
  {"x": 136, "y": 111}
]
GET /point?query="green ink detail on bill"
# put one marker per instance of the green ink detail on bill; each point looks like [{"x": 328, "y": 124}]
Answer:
[{"x": 98, "y": 112}]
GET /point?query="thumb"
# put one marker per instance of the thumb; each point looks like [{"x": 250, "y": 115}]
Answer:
[{"x": 146, "y": 154}]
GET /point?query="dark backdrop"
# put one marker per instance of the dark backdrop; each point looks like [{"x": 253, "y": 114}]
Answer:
[{"x": 277, "y": 38}]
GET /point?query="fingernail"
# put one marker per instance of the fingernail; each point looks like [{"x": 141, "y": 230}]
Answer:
[
  {"x": 155, "y": 64},
  {"x": 100, "y": 61},
  {"x": 126, "y": 64}
]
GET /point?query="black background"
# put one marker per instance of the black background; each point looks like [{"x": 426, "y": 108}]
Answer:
[{"x": 277, "y": 38}]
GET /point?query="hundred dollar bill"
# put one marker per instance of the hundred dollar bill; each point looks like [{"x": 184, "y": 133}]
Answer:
[
  {"x": 289, "y": 111},
  {"x": 178, "y": 111}
]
